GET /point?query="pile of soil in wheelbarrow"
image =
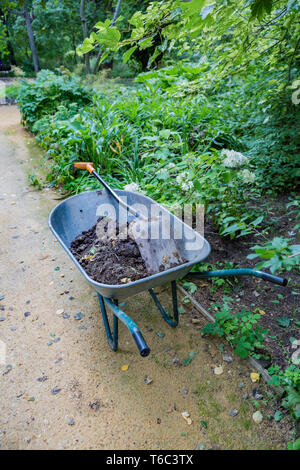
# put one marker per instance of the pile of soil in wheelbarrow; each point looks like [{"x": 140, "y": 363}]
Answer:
[{"x": 113, "y": 261}]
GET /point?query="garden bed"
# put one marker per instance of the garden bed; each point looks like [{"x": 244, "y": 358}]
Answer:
[{"x": 278, "y": 306}]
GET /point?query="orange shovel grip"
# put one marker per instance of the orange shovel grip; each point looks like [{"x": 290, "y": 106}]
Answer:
[{"x": 85, "y": 166}]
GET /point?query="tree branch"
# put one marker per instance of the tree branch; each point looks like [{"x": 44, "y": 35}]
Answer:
[{"x": 116, "y": 14}]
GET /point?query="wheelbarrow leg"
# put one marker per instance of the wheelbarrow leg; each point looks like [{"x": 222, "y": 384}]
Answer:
[
  {"x": 118, "y": 314},
  {"x": 164, "y": 314},
  {"x": 112, "y": 338}
]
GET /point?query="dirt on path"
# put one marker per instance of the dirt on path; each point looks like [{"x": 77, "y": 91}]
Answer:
[{"x": 61, "y": 386}]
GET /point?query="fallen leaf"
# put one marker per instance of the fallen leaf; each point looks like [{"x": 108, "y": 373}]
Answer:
[
  {"x": 125, "y": 367},
  {"x": 186, "y": 417},
  {"x": 261, "y": 312},
  {"x": 254, "y": 377}
]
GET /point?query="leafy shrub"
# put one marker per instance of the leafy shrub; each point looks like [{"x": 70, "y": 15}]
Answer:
[
  {"x": 44, "y": 95},
  {"x": 278, "y": 254},
  {"x": 241, "y": 330},
  {"x": 290, "y": 381}
]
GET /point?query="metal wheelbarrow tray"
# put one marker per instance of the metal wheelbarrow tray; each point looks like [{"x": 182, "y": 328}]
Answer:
[{"x": 79, "y": 213}]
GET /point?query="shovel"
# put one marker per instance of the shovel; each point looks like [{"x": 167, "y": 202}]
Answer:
[{"x": 158, "y": 254}]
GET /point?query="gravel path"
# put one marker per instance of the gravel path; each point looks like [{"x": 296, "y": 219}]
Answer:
[{"x": 61, "y": 387}]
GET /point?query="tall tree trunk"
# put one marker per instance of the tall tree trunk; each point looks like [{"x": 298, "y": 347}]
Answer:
[
  {"x": 85, "y": 35},
  {"x": 116, "y": 14},
  {"x": 9, "y": 46},
  {"x": 34, "y": 54}
]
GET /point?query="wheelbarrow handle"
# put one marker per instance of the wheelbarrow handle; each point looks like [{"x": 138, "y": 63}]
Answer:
[
  {"x": 141, "y": 343},
  {"x": 240, "y": 272}
]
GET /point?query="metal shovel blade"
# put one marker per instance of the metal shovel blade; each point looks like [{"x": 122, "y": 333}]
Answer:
[{"x": 157, "y": 252}]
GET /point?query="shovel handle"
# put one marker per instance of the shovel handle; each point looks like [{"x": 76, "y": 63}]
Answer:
[
  {"x": 85, "y": 166},
  {"x": 89, "y": 166}
]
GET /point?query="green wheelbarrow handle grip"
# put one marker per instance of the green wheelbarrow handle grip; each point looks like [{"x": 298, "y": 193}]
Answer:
[{"x": 240, "y": 272}]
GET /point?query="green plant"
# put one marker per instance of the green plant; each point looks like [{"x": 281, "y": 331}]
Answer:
[
  {"x": 49, "y": 91},
  {"x": 279, "y": 254},
  {"x": 294, "y": 445},
  {"x": 240, "y": 329},
  {"x": 290, "y": 381}
]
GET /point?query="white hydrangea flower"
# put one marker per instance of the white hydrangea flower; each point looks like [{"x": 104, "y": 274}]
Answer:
[
  {"x": 181, "y": 177},
  {"x": 163, "y": 173},
  {"x": 185, "y": 186},
  {"x": 133, "y": 187},
  {"x": 171, "y": 165},
  {"x": 183, "y": 181},
  {"x": 247, "y": 176},
  {"x": 233, "y": 159}
]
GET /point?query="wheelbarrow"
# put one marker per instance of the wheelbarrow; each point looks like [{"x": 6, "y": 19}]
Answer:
[{"x": 79, "y": 213}]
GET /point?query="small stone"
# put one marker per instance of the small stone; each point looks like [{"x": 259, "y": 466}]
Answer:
[
  {"x": 78, "y": 316},
  {"x": 257, "y": 417},
  {"x": 233, "y": 413},
  {"x": 42, "y": 379},
  {"x": 8, "y": 369},
  {"x": 196, "y": 321},
  {"x": 245, "y": 396},
  {"x": 60, "y": 311},
  {"x": 2, "y": 318},
  {"x": 241, "y": 385},
  {"x": 218, "y": 370},
  {"x": 227, "y": 358},
  {"x": 65, "y": 315},
  {"x": 56, "y": 340},
  {"x": 55, "y": 391},
  {"x": 147, "y": 380},
  {"x": 31, "y": 399},
  {"x": 201, "y": 447},
  {"x": 257, "y": 394},
  {"x": 71, "y": 422},
  {"x": 49, "y": 343},
  {"x": 160, "y": 334},
  {"x": 26, "y": 314}
]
